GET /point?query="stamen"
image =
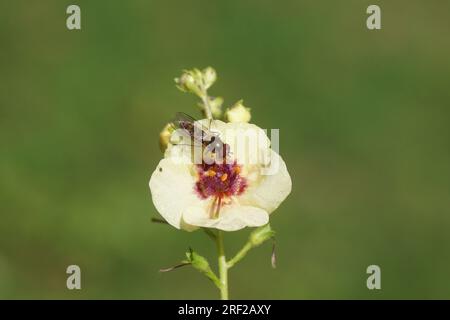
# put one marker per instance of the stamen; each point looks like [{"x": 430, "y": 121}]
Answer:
[
  {"x": 224, "y": 177},
  {"x": 215, "y": 207},
  {"x": 219, "y": 204},
  {"x": 210, "y": 173},
  {"x": 212, "y": 212}
]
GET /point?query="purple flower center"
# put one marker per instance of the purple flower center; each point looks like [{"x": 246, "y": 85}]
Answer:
[{"x": 219, "y": 181}]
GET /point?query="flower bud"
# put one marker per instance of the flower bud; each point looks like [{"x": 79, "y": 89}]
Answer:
[
  {"x": 209, "y": 77},
  {"x": 261, "y": 234},
  {"x": 164, "y": 137},
  {"x": 201, "y": 264},
  {"x": 216, "y": 106},
  {"x": 198, "y": 262},
  {"x": 238, "y": 113},
  {"x": 190, "y": 81}
]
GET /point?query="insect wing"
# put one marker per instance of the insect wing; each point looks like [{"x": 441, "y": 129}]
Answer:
[{"x": 195, "y": 129}]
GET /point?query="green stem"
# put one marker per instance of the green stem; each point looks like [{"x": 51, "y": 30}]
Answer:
[
  {"x": 241, "y": 254},
  {"x": 223, "y": 267},
  {"x": 205, "y": 100},
  {"x": 208, "y": 111}
]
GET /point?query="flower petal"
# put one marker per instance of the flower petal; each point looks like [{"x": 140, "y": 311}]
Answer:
[
  {"x": 232, "y": 217},
  {"x": 246, "y": 141},
  {"x": 268, "y": 191},
  {"x": 237, "y": 134},
  {"x": 171, "y": 186}
]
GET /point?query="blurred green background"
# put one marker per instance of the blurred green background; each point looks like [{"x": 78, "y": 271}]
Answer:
[{"x": 364, "y": 128}]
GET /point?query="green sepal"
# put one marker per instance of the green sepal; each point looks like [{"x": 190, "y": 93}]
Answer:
[{"x": 202, "y": 265}]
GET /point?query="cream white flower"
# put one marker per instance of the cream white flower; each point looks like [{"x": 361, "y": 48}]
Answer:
[{"x": 229, "y": 196}]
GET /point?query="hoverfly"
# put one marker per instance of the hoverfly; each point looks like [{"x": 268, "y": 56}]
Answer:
[{"x": 199, "y": 134}]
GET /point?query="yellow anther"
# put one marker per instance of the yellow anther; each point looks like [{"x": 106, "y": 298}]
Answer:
[
  {"x": 224, "y": 177},
  {"x": 210, "y": 173},
  {"x": 237, "y": 169}
]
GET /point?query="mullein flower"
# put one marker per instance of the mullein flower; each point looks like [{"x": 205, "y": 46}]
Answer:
[
  {"x": 227, "y": 196},
  {"x": 223, "y": 178}
]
